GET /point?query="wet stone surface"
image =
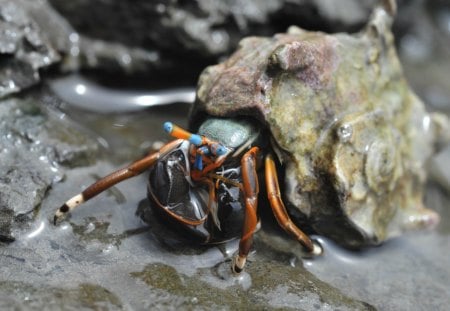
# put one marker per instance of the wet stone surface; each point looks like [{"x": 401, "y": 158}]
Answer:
[
  {"x": 29, "y": 296},
  {"x": 33, "y": 146}
]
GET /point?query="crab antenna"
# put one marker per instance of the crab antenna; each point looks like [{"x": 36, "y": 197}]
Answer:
[{"x": 178, "y": 132}]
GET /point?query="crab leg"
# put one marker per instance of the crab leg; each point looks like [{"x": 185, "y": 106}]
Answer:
[
  {"x": 251, "y": 189},
  {"x": 279, "y": 210},
  {"x": 107, "y": 182}
]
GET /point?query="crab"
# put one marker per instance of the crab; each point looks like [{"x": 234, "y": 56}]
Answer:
[{"x": 330, "y": 114}]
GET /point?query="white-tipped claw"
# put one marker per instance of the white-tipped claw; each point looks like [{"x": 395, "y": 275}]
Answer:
[
  {"x": 67, "y": 207},
  {"x": 237, "y": 264},
  {"x": 317, "y": 250}
]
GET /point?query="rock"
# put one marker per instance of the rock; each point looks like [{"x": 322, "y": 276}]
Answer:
[
  {"x": 271, "y": 290},
  {"x": 153, "y": 38},
  {"x": 82, "y": 296},
  {"x": 424, "y": 50},
  {"x": 33, "y": 146},
  {"x": 158, "y": 41},
  {"x": 203, "y": 27},
  {"x": 24, "y": 48}
]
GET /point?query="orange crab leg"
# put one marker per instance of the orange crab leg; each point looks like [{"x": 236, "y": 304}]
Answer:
[
  {"x": 212, "y": 203},
  {"x": 279, "y": 210},
  {"x": 251, "y": 189},
  {"x": 107, "y": 182}
]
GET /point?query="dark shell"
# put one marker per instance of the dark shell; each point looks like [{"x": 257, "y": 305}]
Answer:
[{"x": 351, "y": 134}]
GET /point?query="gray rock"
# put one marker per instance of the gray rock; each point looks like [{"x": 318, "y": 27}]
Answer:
[
  {"x": 152, "y": 38},
  {"x": 28, "y": 296},
  {"x": 165, "y": 42},
  {"x": 33, "y": 146},
  {"x": 204, "y": 27},
  {"x": 425, "y": 50},
  {"x": 24, "y": 48}
]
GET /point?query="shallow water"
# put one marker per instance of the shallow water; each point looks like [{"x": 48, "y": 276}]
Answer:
[
  {"x": 408, "y": 273},
  {"x": 82, "y": 93}
]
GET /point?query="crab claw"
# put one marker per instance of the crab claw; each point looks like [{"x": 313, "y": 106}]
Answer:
[
  {"x": 60, "y": 213},
  {"x": 237, "y": 264},
  {"x": 67, "y": 207}
]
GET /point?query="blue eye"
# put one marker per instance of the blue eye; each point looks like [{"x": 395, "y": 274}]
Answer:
[
  {"x": 218, "y": 149},
  {"x": 168, "y": 127},
  {"x": 221, "y": 150}
]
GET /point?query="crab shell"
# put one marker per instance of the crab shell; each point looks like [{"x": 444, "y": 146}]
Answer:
[{"x": 352, "y": 136}]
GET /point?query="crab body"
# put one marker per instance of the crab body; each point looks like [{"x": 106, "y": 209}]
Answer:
[{"x": 173, "y": 193}]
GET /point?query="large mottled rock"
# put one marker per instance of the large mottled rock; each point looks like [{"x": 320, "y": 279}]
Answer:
[
  {"x": 33, "y": 146},
  {"x": 353, "y": 137}
]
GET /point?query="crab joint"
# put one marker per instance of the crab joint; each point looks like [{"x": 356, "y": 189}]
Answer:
[{"x": 198, "y": 164}]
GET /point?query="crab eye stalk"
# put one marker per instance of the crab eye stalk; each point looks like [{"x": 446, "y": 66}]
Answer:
[
  {"x": 168, "y": 127},
  {"x": 198, "y": 164},
  {"x": 177, "y": 132}
]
